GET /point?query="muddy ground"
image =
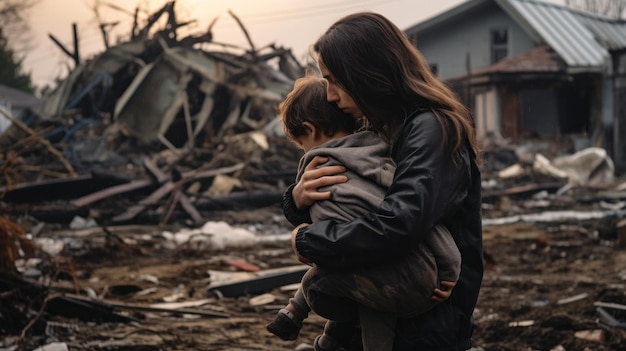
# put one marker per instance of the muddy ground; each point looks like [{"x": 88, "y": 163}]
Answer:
[{"x": 539, "y": 289}]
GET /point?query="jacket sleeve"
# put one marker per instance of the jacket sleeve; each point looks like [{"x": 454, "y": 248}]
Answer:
[
  {"x": 427, "y": 185},
  {"x": 294, "y": 215}
]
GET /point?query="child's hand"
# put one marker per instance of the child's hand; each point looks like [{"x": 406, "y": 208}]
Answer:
[{"x": 441, "y": 295}]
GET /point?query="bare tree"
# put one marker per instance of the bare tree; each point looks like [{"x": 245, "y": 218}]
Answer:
[
  {"x": 14, "y": 22},
  {"x": 611, "y": 8},
  {"x": 15, "y": 42}
]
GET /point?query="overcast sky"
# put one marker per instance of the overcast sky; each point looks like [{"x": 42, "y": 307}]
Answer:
[{"x": 292, "y": 24}]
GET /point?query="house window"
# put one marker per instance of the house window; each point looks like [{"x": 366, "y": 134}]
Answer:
[{"x": 499, "y": 44}]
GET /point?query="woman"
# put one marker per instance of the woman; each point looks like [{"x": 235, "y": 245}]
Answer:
[{"x": 374, "y": 71}]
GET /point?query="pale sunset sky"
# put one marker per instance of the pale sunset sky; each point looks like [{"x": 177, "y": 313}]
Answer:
[{"x": 291, "y": 24}]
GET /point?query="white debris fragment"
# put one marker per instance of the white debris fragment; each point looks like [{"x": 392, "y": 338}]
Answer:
[
  {"x": 526, "y": 323},
  {"x": 219, "y": 235},
  {"x": 260, "y": 300},
  {"x": 572, "y": 299},
  {"x": 55, "y": 346},
  {"x": 81, "y": 223},
  {"x": 50, "y": 246}
]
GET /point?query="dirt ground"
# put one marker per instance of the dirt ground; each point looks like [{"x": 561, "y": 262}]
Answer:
[{"x": 539, "y": 288}]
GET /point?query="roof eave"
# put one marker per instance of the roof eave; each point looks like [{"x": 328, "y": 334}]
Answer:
[
  {"x": 508, "y": 77},
  {"x": 445, "y": 16},
  {"x": 510, "y": 10},
  {"x": 585, "y": 69}
]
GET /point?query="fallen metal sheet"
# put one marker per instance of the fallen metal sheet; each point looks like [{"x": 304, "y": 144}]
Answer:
[
  {"x": 164, "y": 83},
  {"x": 161, "y": 84},
  {"x": 245, "y": 283}
]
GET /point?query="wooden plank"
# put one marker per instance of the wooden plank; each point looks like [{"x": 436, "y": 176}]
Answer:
[{"x": 121, "y": 305}]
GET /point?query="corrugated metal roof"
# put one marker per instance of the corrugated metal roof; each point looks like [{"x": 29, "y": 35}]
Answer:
[
  {"x": 610, "y": 33},
  {"x": 562, "y": 29}
]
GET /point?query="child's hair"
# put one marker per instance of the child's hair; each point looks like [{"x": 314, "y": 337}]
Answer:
[{"x": 307, "y": 103}]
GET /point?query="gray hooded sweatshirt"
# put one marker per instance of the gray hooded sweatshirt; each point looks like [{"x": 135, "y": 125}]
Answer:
[{"x": 370, "y": 171}]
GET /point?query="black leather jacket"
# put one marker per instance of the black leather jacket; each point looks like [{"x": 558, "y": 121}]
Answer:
[{"x": 429, "y": 187}]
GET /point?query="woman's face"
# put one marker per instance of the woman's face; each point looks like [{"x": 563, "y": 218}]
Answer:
[{"x": 336, "y": 94}]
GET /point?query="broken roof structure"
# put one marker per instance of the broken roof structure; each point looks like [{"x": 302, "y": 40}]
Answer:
[
  {"x": 152, "y": 83},
  {"x": 155, "y": 113}
]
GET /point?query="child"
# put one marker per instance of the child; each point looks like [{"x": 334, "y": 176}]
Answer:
[{"x": 400, "y": 288}]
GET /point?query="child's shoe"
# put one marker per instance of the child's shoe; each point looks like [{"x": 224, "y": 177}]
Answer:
[{"x": 285, "y": 325}]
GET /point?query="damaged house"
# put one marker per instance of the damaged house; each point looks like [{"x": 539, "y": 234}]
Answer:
[{"x": 528, "y": 68}]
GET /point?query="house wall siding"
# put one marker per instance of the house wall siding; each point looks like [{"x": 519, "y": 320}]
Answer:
[{"x": 467, "y": 41}]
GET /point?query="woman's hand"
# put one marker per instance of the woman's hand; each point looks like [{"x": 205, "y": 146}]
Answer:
[
  {"x": 293, "y": 245},
  {"x": 305, "y": 192},
  {"x": 441, "y": 295}
]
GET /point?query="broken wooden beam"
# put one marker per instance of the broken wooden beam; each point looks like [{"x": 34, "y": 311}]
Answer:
[
  {"x": 169, "y": 186},
  {"x": 147, "y": 308},
  {"x": 191, "y": 210},
  {"x": 156, "y": 172},
  {"x": 132, "y": 211},
  {"x": 112, "y": 191}
]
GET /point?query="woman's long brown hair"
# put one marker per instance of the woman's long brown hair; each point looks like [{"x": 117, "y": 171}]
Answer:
[{"x": 385, "y": 74}]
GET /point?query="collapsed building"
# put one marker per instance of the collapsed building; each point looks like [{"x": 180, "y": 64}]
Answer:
[{"x": 184, "y": 116}]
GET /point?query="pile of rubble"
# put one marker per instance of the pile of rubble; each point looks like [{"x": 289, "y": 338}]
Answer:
[{"x": 153, "y": 130}]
